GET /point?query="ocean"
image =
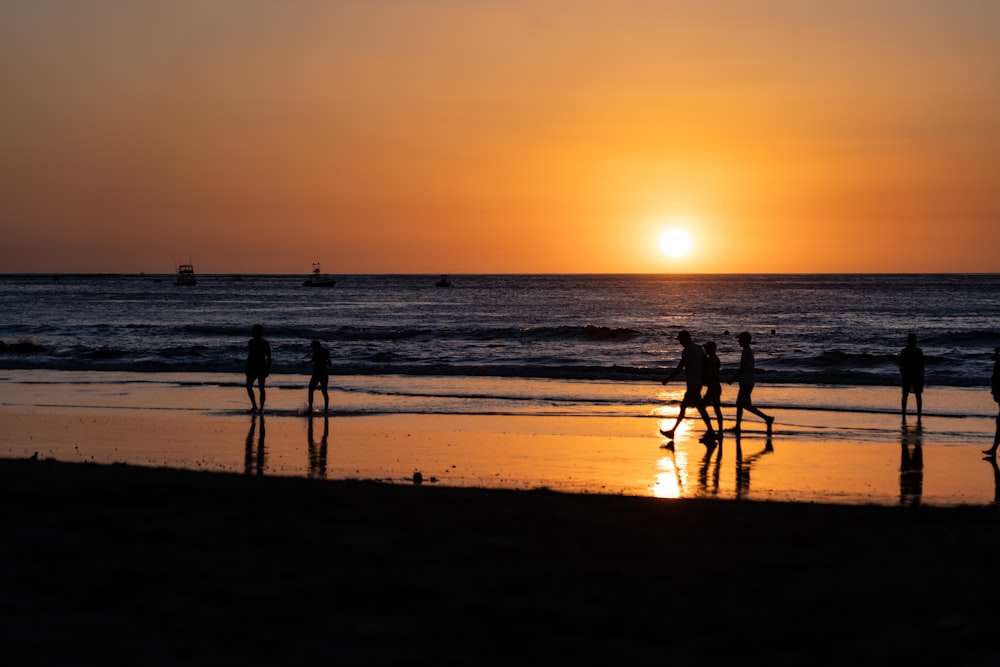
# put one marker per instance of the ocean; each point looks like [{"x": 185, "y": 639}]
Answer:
[{"x": 808, "y": 329}]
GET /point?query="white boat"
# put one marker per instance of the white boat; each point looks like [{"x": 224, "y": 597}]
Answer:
[
  {"x": 317, "y": 279},
  {"x": 185, "y": 275}
]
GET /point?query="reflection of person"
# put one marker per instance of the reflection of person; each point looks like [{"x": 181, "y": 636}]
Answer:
[
  {"x": 320, "y": 374},
  {"x": 911, "y": 374},
  {"x": 744, "y": 463},
  {"x": 911, "y": 467},
  {"x": 690, "y": 363},
  {"x": 995, "y": 381},
  {"x": 317, "y": 455},
  {"x": 254, "y": 462},
  {"x": 258, "y": 365},
  {"x": 745, "y": 375},
  {"x": 713, "y": 384}
]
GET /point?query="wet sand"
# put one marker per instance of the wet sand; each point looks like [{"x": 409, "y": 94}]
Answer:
[{"x": 121, "y": 564}]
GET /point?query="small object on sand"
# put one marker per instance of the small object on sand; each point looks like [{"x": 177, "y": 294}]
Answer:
[{"x": 418, "y": 478}]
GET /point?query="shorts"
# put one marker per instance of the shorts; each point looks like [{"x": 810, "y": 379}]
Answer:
[
  {"x": 915, "y": 387},
  {"x": 712, "y": 395},
  {"x": 692, "y": 397},
  {"x": 743, "y": 397}
]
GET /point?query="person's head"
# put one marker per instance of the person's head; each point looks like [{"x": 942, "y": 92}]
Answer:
[
  {"x": 743, "y": 338},
  {"x": 911, "y": 339},
  {"x": 316, "y": 345},
  {"x": 256, "y": 330},
  {"x": 996, "y": 353},
  {"x": 684, "y": 337},
  {"x": 710, "y": 347}
]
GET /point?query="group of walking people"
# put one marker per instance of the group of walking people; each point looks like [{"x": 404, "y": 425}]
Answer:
[
  {"x": 258, "y": 367},
  {"x": 702, "y": 370},
  {"x": 700, "y": 364}
]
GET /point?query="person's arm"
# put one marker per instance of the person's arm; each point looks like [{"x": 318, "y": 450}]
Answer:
[{"x": 673, "y": 373}]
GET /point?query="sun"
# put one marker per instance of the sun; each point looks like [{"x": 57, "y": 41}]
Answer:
[{"x": 675, "y": 242}]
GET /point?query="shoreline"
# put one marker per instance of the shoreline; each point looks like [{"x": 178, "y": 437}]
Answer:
[{"x": 844, "y": 445}]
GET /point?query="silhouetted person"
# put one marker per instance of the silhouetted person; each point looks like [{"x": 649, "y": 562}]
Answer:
[
  {"x": 713, "y": 383},
  {"x": 745, "y": 375},
  {"x": 258, "y": 366},
  {"x": 911, "y": 467},
  {"x": 995, "y": 382},
  {"x": 320, "y": 374},
  {"x": 691, "y": 364},
  {"x": 911, "y": 374}
]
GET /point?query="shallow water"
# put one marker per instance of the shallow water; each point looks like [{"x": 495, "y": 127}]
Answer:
[{"x": 837, "y": 445}]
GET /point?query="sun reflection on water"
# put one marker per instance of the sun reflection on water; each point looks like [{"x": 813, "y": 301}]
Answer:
[{"x": 671, "y": 481}]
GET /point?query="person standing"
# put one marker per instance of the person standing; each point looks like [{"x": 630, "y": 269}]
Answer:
[
  {"x": 691, "y": 364},
  {"x": 911, "y": 373},
  {"x": 995, "y": 382},
  {"x": 745, "y": 375},
  {"x": 258, "y": 366},
  {"x": 320, "y": 374},
  {"x": 712, "y": 381}
]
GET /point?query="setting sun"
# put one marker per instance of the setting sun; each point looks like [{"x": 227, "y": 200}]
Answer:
[{"x": 675, "y": 242}]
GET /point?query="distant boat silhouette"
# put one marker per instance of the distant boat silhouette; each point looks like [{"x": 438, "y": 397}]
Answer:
[
  {"x": 317, "y": 279},
  {"x": 185, "y": 275},
  {"x": 443, "y": 281}
]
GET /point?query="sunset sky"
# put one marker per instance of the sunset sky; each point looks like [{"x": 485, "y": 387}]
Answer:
[{"x": 499, "y": 136}]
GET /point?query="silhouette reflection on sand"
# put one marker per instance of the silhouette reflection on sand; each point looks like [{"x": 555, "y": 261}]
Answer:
[
  {"x": 255, "y": 461},
  {"x": 911, "y": 465},
  {"x": 744, "y": 463},
  {"x": 317, "y": 454}
]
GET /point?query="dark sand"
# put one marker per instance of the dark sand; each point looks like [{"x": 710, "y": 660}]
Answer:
[{"x": 116, "y": 564}]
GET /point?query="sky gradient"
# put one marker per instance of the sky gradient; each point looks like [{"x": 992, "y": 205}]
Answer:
[{"x": 499, "y": 136}]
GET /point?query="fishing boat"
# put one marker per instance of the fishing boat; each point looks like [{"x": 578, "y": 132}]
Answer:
[
  {"x": 185, "y": 275},
  {"x": 443, "y": 281},
  {"x": 317, "y": 279}
]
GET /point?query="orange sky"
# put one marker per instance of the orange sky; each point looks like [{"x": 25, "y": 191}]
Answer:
[{"x": 499, "y": 136}]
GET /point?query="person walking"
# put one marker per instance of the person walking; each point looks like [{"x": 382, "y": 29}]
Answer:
[
  {"x": 691, "y": 363},
  {"x": 745, "y": 375},
  {"x": 320, "y": 374},
  {"x": 712, "y": 381},
  {"x": 995, "y": 382},
  {"x": 911, "y": 374},
  {"x": 258, "y": 366}
]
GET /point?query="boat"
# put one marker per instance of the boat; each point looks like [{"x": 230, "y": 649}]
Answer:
[
  {"x": 443, "y": 281},
  {"x": 317, "y": 279},
  {"x": 185, "y": 275}
]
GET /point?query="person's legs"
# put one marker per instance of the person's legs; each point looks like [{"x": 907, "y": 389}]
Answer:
[
  {"x": 326, "y": 395},
  {"x": 263, "y": 395},
  {"x": 718, "y": 414},
  {"x": 919, "y": 395},
  {"x": 253, "y": 399},
  {"x": 680, "y": 417},
  {"x": 906, "y": 396},
  {"x": 313, "y": 381},
  {"x": 992, "y": 451}
]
